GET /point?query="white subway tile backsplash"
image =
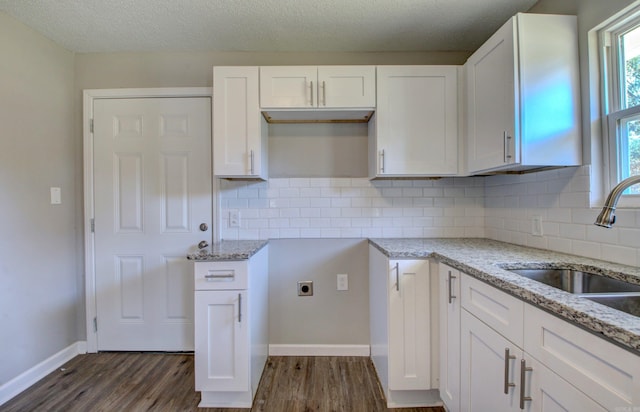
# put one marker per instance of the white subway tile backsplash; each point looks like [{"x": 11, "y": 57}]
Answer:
[
  {"x": 620, "y": 254},
  {"x": 499, "y": 207},
  {"x": 590, "y": 249}
]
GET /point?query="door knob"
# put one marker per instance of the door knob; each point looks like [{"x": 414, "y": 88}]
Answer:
[
  {"x": 203, "y": 244},
  {"x": 203, "y": 227}
]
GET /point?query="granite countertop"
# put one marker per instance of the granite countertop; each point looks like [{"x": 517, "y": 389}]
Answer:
[
  {"x": 485, "y": 259},
  {"x": 229, "y": 250}
]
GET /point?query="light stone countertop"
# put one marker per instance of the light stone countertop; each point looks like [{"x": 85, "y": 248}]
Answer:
[
  {"x": 484, "y": 259},
  {"x": 229, "y": 250}
]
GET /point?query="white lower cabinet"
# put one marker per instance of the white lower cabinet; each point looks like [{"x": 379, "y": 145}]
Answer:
[
  {"x": 231, "y": 330},
  {"x": 608, "y": 374},
  {"x": 400, "y": 319},
  {"x": 449, "y": 303},
  {"x": 545, "y": 391},
  {"x": 514, "y": 356},
  {"x": 222, "y": 351},
  {"x": 488, "y": 368}
]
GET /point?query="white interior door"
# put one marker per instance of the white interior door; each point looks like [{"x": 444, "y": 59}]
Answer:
[{"x": 152, "y": 180}]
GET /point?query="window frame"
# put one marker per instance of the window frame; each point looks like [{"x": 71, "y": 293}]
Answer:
[{"x": 613, "y": 78}]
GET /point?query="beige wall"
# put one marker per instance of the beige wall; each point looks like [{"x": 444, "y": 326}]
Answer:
[
  {"x": 329, "y": 317},
  {"x": 39, "y": 254}
]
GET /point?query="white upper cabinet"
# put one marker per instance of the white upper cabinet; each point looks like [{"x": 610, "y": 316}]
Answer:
[
  {"x": 300, "y": 87},
  {"x": 415, "y": 130},
  {"x": 239, "y": 131},
  {"x": 523, "y": 107}
]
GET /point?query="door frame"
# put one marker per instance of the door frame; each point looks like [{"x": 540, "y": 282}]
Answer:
[{"x": 89, "y": 97}]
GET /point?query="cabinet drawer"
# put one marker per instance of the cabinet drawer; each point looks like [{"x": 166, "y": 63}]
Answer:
[
  {"x": 607, "y": 373},
  {"x": 221, "y": 275},
  {"x": 502, "y": 312}
]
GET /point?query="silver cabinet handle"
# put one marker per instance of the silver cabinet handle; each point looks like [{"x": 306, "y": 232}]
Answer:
[
  {"x": 451, "y": 296},
  {"x": 203, "y": 244},
  {"x": 382, "y": 161},
  {"x": 507, "y": 147},
  {"x": 239, "y": 308},
  {"x": 507, "y": 358},
  {"x": 210, "y": 277},
  {"x": 523, "y": 370},
  {"x": 397, "y": 269},
  {"x": 324, "y": 93},
  {"x": 251, "y": 157},
  {"x": 311, "y": 87}
]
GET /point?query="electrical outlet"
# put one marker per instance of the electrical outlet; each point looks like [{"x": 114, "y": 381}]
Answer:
[
  {"x": 343, "y": 281},
  {"x": 305, "y": 288},
  {"x": 234, "y": 218},
  {"x": 536, "y": 225}
]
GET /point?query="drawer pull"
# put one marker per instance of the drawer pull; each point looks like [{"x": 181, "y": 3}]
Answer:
[
  {"x": 239, "y": 308},
  {"x": 214, "y": 277},
  {"x": 523, "y": 370},
  {"x": 397, "y": 269},
  {"x": 507, "y": 358},
  {"x": 451, "y": 296}
]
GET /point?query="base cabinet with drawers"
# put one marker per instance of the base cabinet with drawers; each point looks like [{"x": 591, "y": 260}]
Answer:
[
  {"x": 515, "y": 357},
  {"x": 231, "y": 329}
]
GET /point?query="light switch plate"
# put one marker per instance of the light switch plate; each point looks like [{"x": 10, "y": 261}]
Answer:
[
  {"x": 56, "y": 196},
  {"x": 343, "y": 281},
  {"x": 536, "y": 225}
]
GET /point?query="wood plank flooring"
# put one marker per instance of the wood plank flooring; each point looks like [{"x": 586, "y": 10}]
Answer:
[{"x": 165, "y": 382}]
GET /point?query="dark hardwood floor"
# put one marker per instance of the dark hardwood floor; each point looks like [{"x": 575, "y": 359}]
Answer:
[{"x": 165, "y": 382}]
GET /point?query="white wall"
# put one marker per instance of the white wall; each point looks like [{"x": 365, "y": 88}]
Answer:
[
  {"x": 39, "y": 253},
  {"x": 329, "y": 317}
]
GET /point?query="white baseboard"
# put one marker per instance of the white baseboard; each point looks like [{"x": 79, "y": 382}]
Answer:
[
  {"x": 319, "y": 350},
  {"x": 27, "y": 378}
]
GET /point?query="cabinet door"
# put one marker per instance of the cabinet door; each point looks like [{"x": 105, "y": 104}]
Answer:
[
  {"x": 288, "y": 86},
  {"x": 491, "y": 81},
  {"x": 449, "y": 295},
  {"x": 238, "y": 133},
  {"x": 547, "y": 392},
  {"x": 608, "y": 373},
  {"x": 409, "y": 318},
  {"x": 221, "y": 341},
  {"x": 417, "y": 121},
  {"x": 346, "y": 86},
  {"x": 487, "y": 369}
]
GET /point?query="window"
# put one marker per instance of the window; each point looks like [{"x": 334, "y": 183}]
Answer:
[{"x": 621, "y": 41}]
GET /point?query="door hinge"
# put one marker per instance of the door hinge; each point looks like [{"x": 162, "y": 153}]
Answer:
[
  {"x": 93, "y": 225},
  {"x": 95, "y": 324},
  {"x": 91, "y": 125}
]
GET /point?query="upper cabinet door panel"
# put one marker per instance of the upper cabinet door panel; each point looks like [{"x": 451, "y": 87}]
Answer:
[
  {"x": 491, "y": 98},
  {"x": 346, "y": 86},
  {"x": 417, "y": 121},
  {"x": 288, "y": 86},
  {"x": 523, "y": 96},
  {"x": 238, "y": 133},
  {"x": 306, "y": 87}
]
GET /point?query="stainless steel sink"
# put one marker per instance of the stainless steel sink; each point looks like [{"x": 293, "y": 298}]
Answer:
[
  {"x": 629, "y": 303},
  {"x": 575, "y": 281},
  {"x": 614, "y": 293}
]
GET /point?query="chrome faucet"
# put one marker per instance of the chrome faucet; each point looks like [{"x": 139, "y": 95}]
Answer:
[{"x": 607, "y": 216}]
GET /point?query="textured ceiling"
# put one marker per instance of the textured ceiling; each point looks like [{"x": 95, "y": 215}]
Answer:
[{"x": 265, "y": 25}]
